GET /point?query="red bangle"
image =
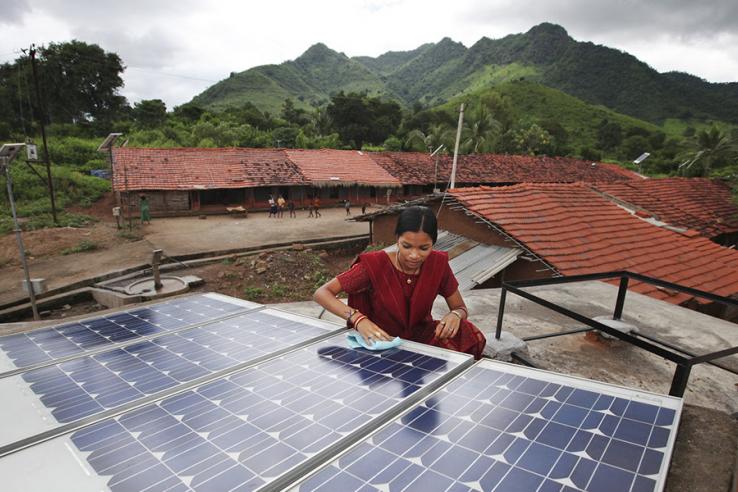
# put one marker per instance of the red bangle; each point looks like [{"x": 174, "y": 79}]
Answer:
[{"x": 359, "y": 320}]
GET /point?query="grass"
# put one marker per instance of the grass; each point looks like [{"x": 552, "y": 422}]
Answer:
[
  {"x": 278, "y": 290},
  {"x": 253, "y": 293},
  {"x": 83, "y": 246}
]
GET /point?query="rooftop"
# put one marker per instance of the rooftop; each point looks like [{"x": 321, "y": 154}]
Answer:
[
  {"x": 576, "y": 231},
  {"x": 419, "y": 168},
  {"x": 702, "y": 204},
  {"x": 196, "y": 168}
]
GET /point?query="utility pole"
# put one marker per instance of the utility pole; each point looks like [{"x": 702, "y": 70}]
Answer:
[
  {"x": 456, "y": 146},
  {"x": 7, "y": 153},
  {"x": 41, "y": 119}
]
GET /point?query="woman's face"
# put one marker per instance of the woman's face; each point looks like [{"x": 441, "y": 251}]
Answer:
[{"x": 413, "y": 248}]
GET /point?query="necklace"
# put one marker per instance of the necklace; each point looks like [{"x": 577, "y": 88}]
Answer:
[{"x": 402, "y": 269}]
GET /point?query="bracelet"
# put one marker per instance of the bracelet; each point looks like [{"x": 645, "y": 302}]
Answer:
[
  {"x": 456, "y": 314},
  {"x": 359, "y": 320},
  {"x": 462, "y": 308}
]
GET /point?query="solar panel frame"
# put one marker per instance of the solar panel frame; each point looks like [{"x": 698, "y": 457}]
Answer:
[
  {"x": 12, "y": 368},
  {"x": 327, "y": 469},
  {"x": 331, "y": 330}
]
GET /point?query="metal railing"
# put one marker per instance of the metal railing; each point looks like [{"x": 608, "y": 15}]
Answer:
[{"x": 683, "y": 359}]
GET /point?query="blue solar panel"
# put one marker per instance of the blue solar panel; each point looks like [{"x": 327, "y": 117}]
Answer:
[
  {"x": 243, "y": 431},
  {"x": 88, "y": 385},
  {"x": 48, "y": 344},
  {"x": 504, "y": 428}
]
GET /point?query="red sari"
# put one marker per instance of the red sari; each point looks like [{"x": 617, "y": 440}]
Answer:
[{"x": 401, "y": 308}]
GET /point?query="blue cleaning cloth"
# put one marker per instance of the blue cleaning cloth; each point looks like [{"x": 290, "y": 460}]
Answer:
[{"x": 356, "y": 341}]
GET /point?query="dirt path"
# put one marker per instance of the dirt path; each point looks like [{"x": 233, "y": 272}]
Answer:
[{"x": 176, "y": 236}]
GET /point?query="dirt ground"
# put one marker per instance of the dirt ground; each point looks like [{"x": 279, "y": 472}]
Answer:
[{"x": 280, "y": 276}]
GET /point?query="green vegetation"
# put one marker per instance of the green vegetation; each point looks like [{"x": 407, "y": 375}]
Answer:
[
  {"x": 83, "y": 246},
  {"x": 253, "y": 293},
  {"x": 534, "y": 93}
]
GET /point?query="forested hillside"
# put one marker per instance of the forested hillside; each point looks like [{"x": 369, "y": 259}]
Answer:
[{"x": 436, "y": 72}]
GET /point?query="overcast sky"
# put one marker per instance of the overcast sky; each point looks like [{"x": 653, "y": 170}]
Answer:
[{"x": 175, "y": 49}]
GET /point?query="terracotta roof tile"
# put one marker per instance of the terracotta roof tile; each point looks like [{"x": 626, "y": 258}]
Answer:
[
  {"x": 704, "y": 205},
  {"x": 327, "y": 166},
  {"x": 577, "y": 231},
  {"x": 414, "y": 168},
  {"x": 194, "y": 168}
]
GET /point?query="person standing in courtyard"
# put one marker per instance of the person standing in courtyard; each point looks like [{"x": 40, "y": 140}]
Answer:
[
  {"x": 145, "y": 212},
  {"x": 316, "y": 206},
  {"x": 291, "y": 208},
  {"x": 272, "y": 206},
  {"x": 347, "y": 206},
  {"x": 281, "y": 205},
  {"x": 392, "y": 294}
]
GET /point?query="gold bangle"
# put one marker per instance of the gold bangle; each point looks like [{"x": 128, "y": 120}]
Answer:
[{"x": 457, "y": 314}]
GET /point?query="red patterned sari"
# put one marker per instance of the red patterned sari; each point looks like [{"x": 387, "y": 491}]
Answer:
[{"x": 401, "y": 304}]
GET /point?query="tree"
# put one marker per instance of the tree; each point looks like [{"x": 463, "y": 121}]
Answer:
[
  {"x": 360, "y": 119},
  {"x": 480, "y": 131},
  {"x": 609, "y": 135},
  {"x": 150, "y": 113},
  {"x": 712, "y": 147},
  {"x": 292, "y": 115},
  {"x": 81, "y": 82},
  {"x": 430, "y": 140}
]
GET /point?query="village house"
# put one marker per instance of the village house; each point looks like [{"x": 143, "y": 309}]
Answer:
[{"x": 181, "y": 181}]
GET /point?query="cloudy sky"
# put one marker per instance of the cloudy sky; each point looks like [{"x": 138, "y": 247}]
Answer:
[{"x": 175, "y": 49}]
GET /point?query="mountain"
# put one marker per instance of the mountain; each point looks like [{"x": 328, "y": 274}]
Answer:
[
  {"x": 310, "y": 80},
  {"x": 437, "y": 72}
]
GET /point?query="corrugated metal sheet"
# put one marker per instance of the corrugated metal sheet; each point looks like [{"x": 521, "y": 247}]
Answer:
[{"x": 472, "y": 263}]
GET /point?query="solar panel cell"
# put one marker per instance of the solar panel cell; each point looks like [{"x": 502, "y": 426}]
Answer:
[
  {"x": 255, "y": 424},
  {"x": 523, "y": 430},
  {"x": 56, "y": 342}
]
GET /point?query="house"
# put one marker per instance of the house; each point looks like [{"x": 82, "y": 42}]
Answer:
[
  {"x": 179, "y": 181},
  {"x": 195, "y": 180}
]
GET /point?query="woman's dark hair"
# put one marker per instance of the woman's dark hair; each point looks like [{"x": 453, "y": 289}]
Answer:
[{"x": 416, "y": 219}]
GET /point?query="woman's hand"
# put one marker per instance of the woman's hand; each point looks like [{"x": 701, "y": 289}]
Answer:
[
  {"x": 448, "y": 326},
  {"x": 371, "y": 332}
]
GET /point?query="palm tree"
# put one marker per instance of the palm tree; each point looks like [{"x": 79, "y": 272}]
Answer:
[
  {"x": 710, "y": 147},
  {"x": 480, "y": 131},
  {"x": 435, "y": 136}
]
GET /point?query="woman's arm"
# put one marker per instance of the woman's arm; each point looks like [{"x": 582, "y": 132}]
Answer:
[
  {"x": 326, "y": 297},
  {"x": 450, "y": 324}
]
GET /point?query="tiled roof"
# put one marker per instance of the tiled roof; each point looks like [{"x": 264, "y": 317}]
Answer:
[
  {"x": 702, "y": 204},
  {"x": 577, "y": 231},
  {"x": 415, "y": 168},
  {"x": 335, "y": 167},
  {"x": 195, "y": 168}
]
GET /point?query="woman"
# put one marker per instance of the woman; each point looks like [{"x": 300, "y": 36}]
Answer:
[
  {"x": 145, "y": 212},
  {"x": 392, "y": 294}
]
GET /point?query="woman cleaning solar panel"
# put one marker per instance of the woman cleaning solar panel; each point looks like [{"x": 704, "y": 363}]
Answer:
[{"x": 392, "y": 294}]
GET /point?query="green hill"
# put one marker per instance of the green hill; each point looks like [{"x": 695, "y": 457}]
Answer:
[
  {"x": 535, "y": 103},
  {"x": 310, "y": 79},
  {"x": 437, "y": 72}
]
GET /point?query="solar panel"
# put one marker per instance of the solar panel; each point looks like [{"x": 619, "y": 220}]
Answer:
[
  {"x": 252, "y": 428},
  {"x": 506, "y": 428},
  {"x": 56, "y": 342},
  {"x": 75, "y": 389}
]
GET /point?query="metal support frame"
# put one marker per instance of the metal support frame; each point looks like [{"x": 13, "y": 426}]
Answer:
[{"x": 683, "y": 360}]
